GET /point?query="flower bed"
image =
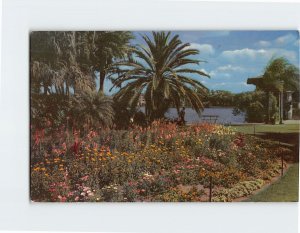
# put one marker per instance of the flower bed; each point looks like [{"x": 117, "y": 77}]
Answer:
[{"x": 150, "y": 164}]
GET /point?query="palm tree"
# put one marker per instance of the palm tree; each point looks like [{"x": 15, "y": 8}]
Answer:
[
  {"x": 93, "y": 109},
  {"x": 279, "y": 76},
  {"x": 161, "y": 72},
  {"x": 108, "y": 47}
]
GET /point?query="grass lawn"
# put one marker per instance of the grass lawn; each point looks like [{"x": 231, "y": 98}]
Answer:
[
  {"x": 285, "y": 189},
  {"x": 263, "y": 128},
  {"x": 287, "y": 133}
]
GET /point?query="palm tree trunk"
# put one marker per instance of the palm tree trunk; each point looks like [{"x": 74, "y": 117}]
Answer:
[
  {"x": 56, "y": 89},
  {"x": 45, "y": 89},
  {"x": 67, "y": 88},
  {"x": 102, "y": 78}
]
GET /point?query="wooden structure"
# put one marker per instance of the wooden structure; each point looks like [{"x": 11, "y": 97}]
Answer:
[{"x": 209, "y": 118}]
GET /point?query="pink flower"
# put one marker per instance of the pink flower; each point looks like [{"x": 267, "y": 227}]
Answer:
[
  {"x": 86, "y": 189},
  {"x": 85, "y": 178},
  {"x": 62, "y": 199}
]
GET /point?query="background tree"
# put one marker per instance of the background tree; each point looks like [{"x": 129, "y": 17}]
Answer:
[
  {"x": 253, "y": 104},
  {"x": 220, "y": 98},
  {"x": 279, "y": 76},
  {"x": 109, "y": 47},
  {"x": 63, "y": 67},
  {"x": 58, "y": 62}
]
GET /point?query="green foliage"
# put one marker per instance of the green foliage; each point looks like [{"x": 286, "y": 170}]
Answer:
[
  {"x": 239, "y": 190},
  {"x": 220, "y": 98},
  {"x": 66, "y": 62},
  {"x": 63, "y": 70},
  {"x": 46, "y": 110},
  {"x": 254, "y": 105},
  {"x": 176, "y": 195},
  {"x": 280, "y": 70},
  {"x": 92, "y": 108}
]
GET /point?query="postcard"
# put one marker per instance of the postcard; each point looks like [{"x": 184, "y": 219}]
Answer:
[{"x": 164, "y": 116}]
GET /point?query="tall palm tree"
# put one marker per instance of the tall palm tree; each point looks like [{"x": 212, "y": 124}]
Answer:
[
  {"x": 161, "y": 71},
  {"x": 108, "y": 47}
]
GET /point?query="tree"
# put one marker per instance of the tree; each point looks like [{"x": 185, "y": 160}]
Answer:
[
  {"x": 279, "y": 76},
  {"x": 220, "y": 98},
  {"x": 59, "y": 62},
  {"x": 66, "y": 61},
  {"x": 63, "y": 80},
  {"x": 109, "y": 47},
  {"x": 92, "y": 109},
  {"x": 161, "y": 71},
  {"x": 254, "y": 106}
]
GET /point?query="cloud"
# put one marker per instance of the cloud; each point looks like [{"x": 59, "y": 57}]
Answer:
[
  {"x": 230, "y": 68},
  {"x": 205, "y": 49},
  {"x": 263, "y": 43},
  {"x": 261, "y": 55},
  {"x": 219, "y": 84},
  {"x": 225, "y": 72},
  {"x": 242, "y": 53},
  {"x": 286, "y": 39},
  {"x": 217, "y": 74}
]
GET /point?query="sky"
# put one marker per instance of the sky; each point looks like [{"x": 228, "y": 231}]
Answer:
[{"x": 231, "y": 57}]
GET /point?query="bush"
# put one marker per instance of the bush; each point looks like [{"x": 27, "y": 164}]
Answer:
[{"x": 240, "y": 190}]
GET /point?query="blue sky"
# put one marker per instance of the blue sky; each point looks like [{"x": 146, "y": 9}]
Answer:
[{"x": 233, "y": 56}]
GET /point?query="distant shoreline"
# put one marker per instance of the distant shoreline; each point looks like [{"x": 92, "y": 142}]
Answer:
[{"x": 219, "y": 107}]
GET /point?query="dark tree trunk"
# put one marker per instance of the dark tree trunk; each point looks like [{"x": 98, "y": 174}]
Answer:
[
  {"x": 45, "y": 89},
  {"x": 67, "y": 88},
  {"x": 102, "y": 78},
  {"x": 55, "y": 88}
]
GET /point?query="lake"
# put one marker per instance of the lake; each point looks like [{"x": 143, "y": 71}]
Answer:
[{"x": 224, "y": 114}]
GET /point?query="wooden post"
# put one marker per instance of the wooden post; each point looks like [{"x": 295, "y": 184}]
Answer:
[
  {"x": 281, "y": 156},
  {"x": 281, "y": 164},
  {"x": 210, "y": 188},
  {"x": 67, "y": 131}
]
